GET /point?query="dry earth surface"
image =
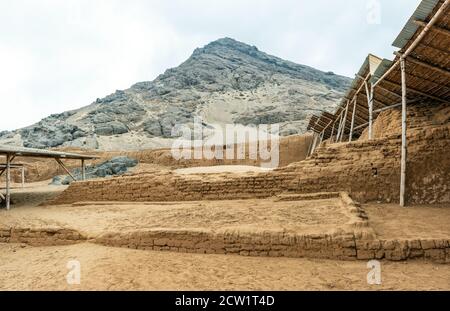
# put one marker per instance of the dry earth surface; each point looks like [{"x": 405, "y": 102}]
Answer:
[
  {"x": 107, "y": 268},
  {"x": 23, "y": 267}
]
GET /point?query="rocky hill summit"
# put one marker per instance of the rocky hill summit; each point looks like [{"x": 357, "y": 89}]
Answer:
[{"x": 225, "y": 82}]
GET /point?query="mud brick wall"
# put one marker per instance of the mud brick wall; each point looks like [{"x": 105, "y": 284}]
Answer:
[
  {"x": 398, "y": 250},
  {"x": 418, "y": 116},
  {"x": 347, "y": 246},
  {"x": 40, "y": 237},
  {"x": 264, "y": 245},
  {"x": 368, "y": 170},
  {"x": 292, "y": 149}
]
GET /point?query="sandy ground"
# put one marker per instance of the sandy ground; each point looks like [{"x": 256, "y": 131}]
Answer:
[
  {"x": 24, "y": 267},
  {"x": 106, "y": 268},
  {"x": 32, "y": 194},
  {"x": 394, "y": 222},
  {"x": 221, "y": 169}
]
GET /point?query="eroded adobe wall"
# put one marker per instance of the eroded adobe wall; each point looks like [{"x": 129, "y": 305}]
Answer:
[
  {"x": 292, "y": 149},
  {"x": 368, "y": 170},
  {"x": 419, "y": 115}
]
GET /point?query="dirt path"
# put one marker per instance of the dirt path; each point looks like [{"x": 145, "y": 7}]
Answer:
[
  {"x": 394, "y": 222},
  {"x": 106, "y": 268}
]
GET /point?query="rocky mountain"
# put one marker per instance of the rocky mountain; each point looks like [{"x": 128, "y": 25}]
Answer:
[{"x": 224, "y": 82}]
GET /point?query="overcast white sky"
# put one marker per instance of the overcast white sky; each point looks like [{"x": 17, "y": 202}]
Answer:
[{"x": 57, "y": 55}]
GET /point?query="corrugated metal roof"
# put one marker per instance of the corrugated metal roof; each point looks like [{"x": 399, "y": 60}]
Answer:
[
  {"x": 422, "y": 12},
  {"x": 382, "y": 68},
  {"x": 374, "y": 62},
  {"x": 41, "y": 153},
  {"x": 370, "y": 64},
  {"x": 355, "y": 82}
]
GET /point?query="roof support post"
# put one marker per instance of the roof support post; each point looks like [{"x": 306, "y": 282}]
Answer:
[
  {"x": 8, "y": 182},
  {"x": 338, "y": 134},
  {"x": 310, "y": 145},
  {"x": 314, "y": 143},
  {"x": 404, "y": 143},
  {"x": 345, "y": 120},
  {"x": 353, "y": 122},
  {"x": 332, "y": 131},
  {"x": 324, "y": 130},
  {"x": 370, "y": 96},
  {"x": 83, "y": 170}
]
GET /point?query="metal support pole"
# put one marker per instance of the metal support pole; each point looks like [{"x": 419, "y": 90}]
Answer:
[
  {"x": 353, "y": 123},
  {"x": 404, "y": 146},
  {"x": 8, "y": 181}
]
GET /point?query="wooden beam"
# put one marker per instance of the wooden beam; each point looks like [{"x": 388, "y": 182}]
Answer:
[
  {"x": 353, "y": 122},
  {"x": 310, "y": 145},
  {"x": 370, "y": 103},
  {"x": 361, "y": 126},
  {"x": 338, "y": 134},
  {"x": 416, "y": 91},
  {"x": 332, "y": 131},
  {"x": 65, "y": 168},
  {"x": 438, "y": 49},
  {"x": 395, "y": 106},
  {"x": 421, "y": 63},
  {"x": 314, "y": 143},
  {"x": 389, "y": 91},
  {"x": 404, "y": 147},
  {"x": 416, "y": 42},
  {"x": 4, "y": 169},
  {"x": 433, "y": 28},
  {"x": 8, "y": 182},
  {"x": 345, "y": 121}
]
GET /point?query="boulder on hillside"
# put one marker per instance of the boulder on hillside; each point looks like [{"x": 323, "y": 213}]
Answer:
[{"x": 111, "y": 128}]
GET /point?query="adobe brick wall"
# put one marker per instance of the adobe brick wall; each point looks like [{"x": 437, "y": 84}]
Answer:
[
  {"x": 368, "y": 170},
  {"x": 41, "y": 236},
  {"x": 354, "y": 241}
]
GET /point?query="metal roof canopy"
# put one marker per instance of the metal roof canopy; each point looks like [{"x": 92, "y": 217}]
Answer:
[
  {"x": 426, "y": 76},
  {"x": 12, "y": 152},
  {"x": 420, "y": 70},
  {"x": 351, "y": 97},
  {"x": 40, "y": 153}
]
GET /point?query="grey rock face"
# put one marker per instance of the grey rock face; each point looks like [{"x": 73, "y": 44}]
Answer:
[
  {"x": 229, "y": 64},
  {"x": 226, "y": 81},
  {"x": 50, "y": 132},
  {"x": 111, "y": 128},
  {"x": 162, "y": 125},
  {"x": 114, "y": 167}
]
